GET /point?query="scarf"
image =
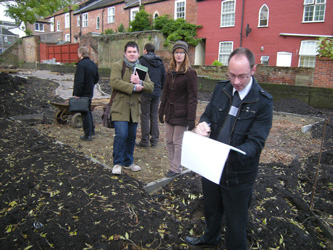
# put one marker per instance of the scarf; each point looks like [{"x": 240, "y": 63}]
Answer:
[{"x": 131, "y": 64}]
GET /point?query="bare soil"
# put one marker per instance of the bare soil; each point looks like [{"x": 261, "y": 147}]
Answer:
[{"x": 54, "y": 196}]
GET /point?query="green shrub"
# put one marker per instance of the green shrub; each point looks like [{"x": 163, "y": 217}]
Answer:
[
  {"x": 325, "y": 48},
  {"x": 141, "y": 21},
  {"x": 217, "y": 63},
  {"x": 121, "y": 28}
]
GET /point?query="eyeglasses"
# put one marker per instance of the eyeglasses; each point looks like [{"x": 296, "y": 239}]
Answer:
[
  {"x": 179, "y": 53},
  {"x": 242, "y": 77}
]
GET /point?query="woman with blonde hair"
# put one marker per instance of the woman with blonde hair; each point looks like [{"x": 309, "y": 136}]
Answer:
[{"x": 178, "y": 104}]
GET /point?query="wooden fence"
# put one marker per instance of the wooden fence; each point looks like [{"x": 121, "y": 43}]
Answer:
[{"x": 65, "y": 53}]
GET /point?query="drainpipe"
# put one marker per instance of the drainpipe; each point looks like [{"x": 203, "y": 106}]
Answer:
[
  {"x": 103, "y": 20},
  {"x": 70, "y": 26},
  {"x": 242, "y": 23}
]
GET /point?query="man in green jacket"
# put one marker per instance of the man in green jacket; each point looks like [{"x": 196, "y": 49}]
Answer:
[{"x": 125, "y": 108}]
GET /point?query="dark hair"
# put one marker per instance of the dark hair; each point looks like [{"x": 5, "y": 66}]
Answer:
[
  {"x": 84, "y": 51},
  {"x": 131, "y": 44},
  {"x": 244, "y": 51},
  {"x": 149, "y": 47}
]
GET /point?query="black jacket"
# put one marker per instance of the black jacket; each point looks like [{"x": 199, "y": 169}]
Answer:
[
  {"x": 249, "y": 132},
  {"x": 86, "y": 76},
  {"x": 156, "y": 72}
]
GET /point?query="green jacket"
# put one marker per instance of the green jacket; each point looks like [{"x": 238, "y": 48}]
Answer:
[{"x": 126, "y": 104}]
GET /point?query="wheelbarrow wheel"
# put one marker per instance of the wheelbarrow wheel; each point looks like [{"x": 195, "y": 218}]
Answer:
[
  {"x": 59, "y": 117},
  {"x": 77, "y": 120}
]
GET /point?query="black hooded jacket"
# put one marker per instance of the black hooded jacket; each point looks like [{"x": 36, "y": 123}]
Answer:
[{"x": 156, "y": 72}]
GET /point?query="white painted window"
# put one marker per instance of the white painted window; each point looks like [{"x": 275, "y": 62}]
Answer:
[
  {"x": 58, "y": 25},
  {"x": 180, "y": 9},
  {"x": 307, "y": 53},
  {"x": 52, "y": 24},
  {"x": 133, "y": 13},
  {"x": 283, "y": 59},
  {"x": 263, "y": 16},
  {"x": 228, "y": 13},
  {"x": 67, "y": 37},
  {"x": 5, "y": 39},
  {"x": 98, "y": 23},
  {"x": 85, "y": 20},
  {"x": 39, "y": 27},
  {"x": 111, "y": 15},
  {"x": 67, "y": 23},
  {"x": 156, "y": 15},
  {"x": 314, "y": 10},
  {"x": 225, "y": 49},
  {"x": 78, "y": 23}
]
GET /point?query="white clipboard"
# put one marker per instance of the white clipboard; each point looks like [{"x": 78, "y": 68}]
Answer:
[{"x": 205, "y": 156}]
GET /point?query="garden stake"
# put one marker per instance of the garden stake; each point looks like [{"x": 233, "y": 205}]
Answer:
[{"x": 317, "y": 171}]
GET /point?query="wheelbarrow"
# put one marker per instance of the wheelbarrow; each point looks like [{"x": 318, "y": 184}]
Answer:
[{"x": 62, "y": 114}]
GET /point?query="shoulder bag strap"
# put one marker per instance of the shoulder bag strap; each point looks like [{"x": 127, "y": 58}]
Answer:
[{"x": 115, "y": 91}]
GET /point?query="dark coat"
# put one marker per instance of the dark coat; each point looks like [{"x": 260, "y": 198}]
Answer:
[
  {"x": 179, "y": 98},
  {"x": 86, "y": 76},
  {"x": 156, "y": 73},
  {"x": 249, "y": 133}
]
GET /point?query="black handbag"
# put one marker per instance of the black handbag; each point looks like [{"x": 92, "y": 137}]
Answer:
[{"x": 78, "y": 105}]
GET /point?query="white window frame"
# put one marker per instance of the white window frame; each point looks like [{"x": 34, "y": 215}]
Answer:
[
  {"x": 67, "y": 37},
  {"x": 78, "y": 21},
  {"x": 284, "y": 59},
  {"x": 111, "y": 15},
  {"x": 67, "y": 23},
  {"x": 85, "y": 20},
  {"x": 39, "y": 27},
  {"x": 98, "y": 23},
  {"x": 58, "y": 25},
  {"x": 314, "y": 11},
  {"x": 224, "y": 53},
  {"x": 133, "y": 13},
  {"x": 262, "y": 15},
  {"x": 228, "y": 13},
  {"x": 52, "y": 24},
  {"x": 156, "y": 15},
  {"x": 307, "y": 53},
  {"x": 5, "y": 39},
  {"x": 180, "y": 9}
]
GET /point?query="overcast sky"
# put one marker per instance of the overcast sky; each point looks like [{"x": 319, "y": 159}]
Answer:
[{"x": 2, "y": 14}]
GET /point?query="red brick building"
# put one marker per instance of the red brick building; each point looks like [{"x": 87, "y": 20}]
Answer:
[
  {"x": 100, "y": 15},
  {"x": 280, "y": 33}
]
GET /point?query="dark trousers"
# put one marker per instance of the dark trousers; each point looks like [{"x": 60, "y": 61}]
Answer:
[
  {"x": 88, "y": 122},
  {"x": 149, "y": 120},
  {"x": 233, "y": 201}
]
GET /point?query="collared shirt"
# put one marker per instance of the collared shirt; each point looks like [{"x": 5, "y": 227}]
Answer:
[{"x": 245, "y": 91}]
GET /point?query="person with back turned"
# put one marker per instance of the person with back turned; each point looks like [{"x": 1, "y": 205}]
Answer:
[
  {"x": 150, "y": 102},
  {"x": 86, "y": 76},
  {"x": 239, "y": 114}
]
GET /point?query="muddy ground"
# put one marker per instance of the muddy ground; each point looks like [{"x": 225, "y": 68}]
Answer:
[{"x": 54, "y": 196}]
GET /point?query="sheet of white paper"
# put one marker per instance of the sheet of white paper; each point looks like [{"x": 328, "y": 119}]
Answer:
[{"x": 205, "y": 156}]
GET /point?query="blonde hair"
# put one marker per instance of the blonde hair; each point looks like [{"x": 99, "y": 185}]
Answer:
[
  {"x": 183, "y": 67},
  {"x": 84, "y": 51}
]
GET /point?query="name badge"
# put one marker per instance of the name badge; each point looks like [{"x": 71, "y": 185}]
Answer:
[{"x": 233, "y": 111}]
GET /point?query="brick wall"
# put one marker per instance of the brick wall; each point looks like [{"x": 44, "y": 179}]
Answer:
[
  {"x": 267, "y": 74},
  {"x": 323, "y": 75}
]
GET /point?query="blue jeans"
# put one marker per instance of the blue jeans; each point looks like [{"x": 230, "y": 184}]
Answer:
[{"x": 124, "y": 142}]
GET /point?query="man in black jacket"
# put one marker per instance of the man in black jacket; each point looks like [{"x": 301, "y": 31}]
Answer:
[
  {"x": 239, "y": 114},
  {"x": 150, "y": 102},
  {"x": 86, "y": 76}
]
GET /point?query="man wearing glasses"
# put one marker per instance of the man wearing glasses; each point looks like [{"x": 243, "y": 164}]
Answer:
[{"x": 239, "y": 114}]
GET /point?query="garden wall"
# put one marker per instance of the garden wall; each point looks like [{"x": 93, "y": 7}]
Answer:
[{"x": 313, "y": 96}]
